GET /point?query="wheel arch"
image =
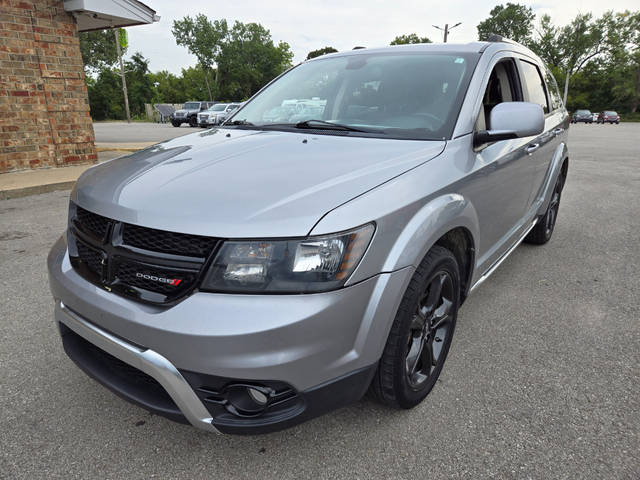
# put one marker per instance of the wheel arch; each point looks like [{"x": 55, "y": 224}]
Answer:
[
  {"x": 559, "y": 166},
  {"x": 449, "y": 221}
]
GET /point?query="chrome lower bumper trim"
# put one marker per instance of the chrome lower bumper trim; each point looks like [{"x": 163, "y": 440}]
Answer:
[{"x": 148, "y": 361}]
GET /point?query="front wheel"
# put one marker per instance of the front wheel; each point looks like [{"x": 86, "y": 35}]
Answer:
[
  {"x": 421, "y": 333},
  {"x": 175, "y": 124}
]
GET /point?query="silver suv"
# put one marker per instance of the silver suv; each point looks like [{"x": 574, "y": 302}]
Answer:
[
  {"x": 247, "y": 278},
  {"x": 216, "y": 114}
]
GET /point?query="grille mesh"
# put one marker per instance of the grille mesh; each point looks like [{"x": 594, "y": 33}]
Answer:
[
  {"x": 107, "y": 261},
  {"x": 167, "y": 242},
  {"x": 90, "y": 257},
  {"x": 92, "y": 223}
]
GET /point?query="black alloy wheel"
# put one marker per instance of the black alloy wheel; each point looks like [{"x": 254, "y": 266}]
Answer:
[
  {"x": 552, "y": 212},
  {"x": 430, "y": 330},
  {"x": 543, "y": 230},
  {"x": 421, "y": 334}
]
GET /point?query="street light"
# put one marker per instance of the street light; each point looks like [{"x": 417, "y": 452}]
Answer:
[{"x": 446, "y": 29}]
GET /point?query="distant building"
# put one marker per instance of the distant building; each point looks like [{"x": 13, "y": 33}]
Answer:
[{"x": 44, "y": 108}]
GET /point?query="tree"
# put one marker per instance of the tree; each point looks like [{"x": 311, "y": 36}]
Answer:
[
  {"x": 320, "y": 52},
  {"x": 105, "y": 96},
  {"x": 623, "y": 60},
  {"x": 512, "y": 21},
  {"x": 168, "y": 88},
  {"x": 582, "y": 40},
  {"x": 244, "y": 55},
  {"x": 139, "y": 83},
  {"x": 193, "y": 83},
  {"x": 203, "y": 38},
  {"x": 249, "y": 59},
  {"x": 547, "y": 43},
  {"x": 408, "y": 39},
  {"x": 98, "y": 50}
]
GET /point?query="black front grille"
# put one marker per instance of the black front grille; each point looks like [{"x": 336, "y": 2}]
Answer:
[
  {"x": 135, "y": 261},
  {"x": 92, "y": 223},
  {"x": 155, "y": 279},
  {"x": 92, "y": 259},
  {"x": 167, "y": 242}
]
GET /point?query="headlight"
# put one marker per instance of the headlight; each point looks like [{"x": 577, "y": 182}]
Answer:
[{"x": 303, "y": 265}]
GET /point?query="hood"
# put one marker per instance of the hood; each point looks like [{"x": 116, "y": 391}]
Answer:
[{"x": 244, "y": 183}]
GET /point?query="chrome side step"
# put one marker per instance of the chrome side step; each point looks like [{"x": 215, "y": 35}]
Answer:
[{"x": 497, "y": 263}]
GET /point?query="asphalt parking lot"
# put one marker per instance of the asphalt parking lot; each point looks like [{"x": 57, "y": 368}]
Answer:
[
  {"x": 542, "y": 380},
  {"x": 123, "y": 132}
]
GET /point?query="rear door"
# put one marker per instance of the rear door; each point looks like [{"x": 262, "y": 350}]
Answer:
[{"x": 542, "y": 148}]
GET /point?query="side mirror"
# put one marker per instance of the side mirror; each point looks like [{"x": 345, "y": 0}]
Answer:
[{"x": 512, "y": 120}]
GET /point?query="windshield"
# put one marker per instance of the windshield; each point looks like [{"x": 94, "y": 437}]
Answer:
[
  {"x": 610, "y": 113},
  {"x": 191, "y": 106},
  {"x": 218, "y": 107},
  {"x": 395, "y": 95},
  {"x": 583, "y": 112}
]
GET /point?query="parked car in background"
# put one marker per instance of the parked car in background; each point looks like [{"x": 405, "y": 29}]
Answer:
[
  {"x": 582, "y": 116},
  {"x": 189, "y": 113},
  {"x": 216, "y": 114},
  {"x": 269, "y": 271},
  {"x": 609, "y": 116}
]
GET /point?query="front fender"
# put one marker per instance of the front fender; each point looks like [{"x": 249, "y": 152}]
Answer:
[
  {"x": 429, "y": 224},
  {"x": 408, "y": 222}
]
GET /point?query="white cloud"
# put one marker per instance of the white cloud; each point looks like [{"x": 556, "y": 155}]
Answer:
[{"x": 307, "y": 25}]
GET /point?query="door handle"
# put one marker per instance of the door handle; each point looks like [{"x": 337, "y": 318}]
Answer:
[
  {"x": 558, "y": 131},
  {"x": 532, "y": 148}
]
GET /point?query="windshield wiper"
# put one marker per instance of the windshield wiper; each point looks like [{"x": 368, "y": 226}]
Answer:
[
  {"x": 240, "y": 122},
  {"x": 324, "y": 125}
]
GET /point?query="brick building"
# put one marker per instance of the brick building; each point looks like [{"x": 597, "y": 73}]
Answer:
[{"x": 44, "y": 107}]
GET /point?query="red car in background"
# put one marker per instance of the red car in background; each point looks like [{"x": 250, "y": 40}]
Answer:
[{"x": 609, "y": 117}]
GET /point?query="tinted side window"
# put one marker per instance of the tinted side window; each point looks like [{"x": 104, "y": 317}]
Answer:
[
  {"x": 534, "y": 85},
  {"x": 554, "y": 91}
]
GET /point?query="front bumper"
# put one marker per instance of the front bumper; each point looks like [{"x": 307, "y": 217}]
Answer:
[{"x": 323, "y": 346}]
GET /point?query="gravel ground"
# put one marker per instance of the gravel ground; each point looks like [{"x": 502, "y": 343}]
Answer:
[{"x": 542, "y": 380}]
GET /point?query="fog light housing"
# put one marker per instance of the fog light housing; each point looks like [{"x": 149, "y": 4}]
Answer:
[{"x": 247, "y": 400}]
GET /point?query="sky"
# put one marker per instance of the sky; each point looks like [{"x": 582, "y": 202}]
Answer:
[{"x": 308, "y": 25}]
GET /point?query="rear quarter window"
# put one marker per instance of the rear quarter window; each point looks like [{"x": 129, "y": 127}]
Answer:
[{"x": 554, "y": 92}]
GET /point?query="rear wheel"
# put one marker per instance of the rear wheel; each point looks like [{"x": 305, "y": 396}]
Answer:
[
  {"x": 421, "y": 333},
  {"x": 193, "y": 122},
  {"x": 541, "y": 233}
]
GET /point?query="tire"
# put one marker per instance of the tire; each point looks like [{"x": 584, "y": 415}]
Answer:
[
  {"x": 542, "y": 232},
  {"x": 176, "y": 124},
  {"x": 193, "y": 122},
  {"x": 426, "y": 318}
]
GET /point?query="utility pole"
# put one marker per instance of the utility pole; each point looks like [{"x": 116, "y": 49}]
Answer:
[
  {"x": 447, "y": 29},
  {"x": 124, "y": 80}
]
